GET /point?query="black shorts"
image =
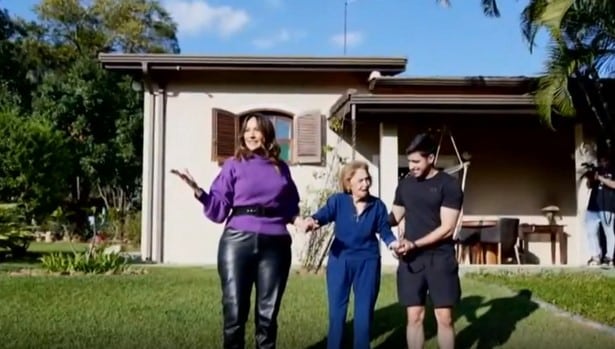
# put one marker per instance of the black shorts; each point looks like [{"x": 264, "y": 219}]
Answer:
[{"x": 433, "y": 273}]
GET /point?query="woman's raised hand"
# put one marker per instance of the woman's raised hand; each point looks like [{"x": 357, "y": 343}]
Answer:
[{"x": 188, "y": 179}]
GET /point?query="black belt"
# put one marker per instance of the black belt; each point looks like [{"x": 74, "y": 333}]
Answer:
[{"x": 256, "y": 210}]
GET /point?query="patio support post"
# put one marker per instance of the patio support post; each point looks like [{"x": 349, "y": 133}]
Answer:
[
  {"x": 158, "y": 176},
  {"x": 353, "y": 118},
  {"x": 149, "y": 114},
  {"x": 388, "y": 166},
  {"x": 583, "y": 152}
]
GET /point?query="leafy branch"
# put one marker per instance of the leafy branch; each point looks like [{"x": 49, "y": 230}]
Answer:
[{"x": 326, "y": 185}]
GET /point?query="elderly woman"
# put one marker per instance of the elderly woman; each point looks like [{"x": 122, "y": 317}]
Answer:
[
  {"x": 255, "y": 194},
  {"x": 354, "y": 258}
]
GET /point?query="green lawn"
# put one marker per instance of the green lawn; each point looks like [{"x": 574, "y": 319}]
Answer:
[
  {"x": 180, "y": 308},
  {"x": 590, "y": 294},
  {"x": 37, "y": 250}
]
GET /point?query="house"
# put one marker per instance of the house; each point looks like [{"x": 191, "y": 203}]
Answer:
[{"x": 359, "y": 107}]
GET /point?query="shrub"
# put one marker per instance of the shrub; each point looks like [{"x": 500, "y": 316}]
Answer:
[
  {"x": 14, "y": 235},
  {"x": 95, "y": 261}
]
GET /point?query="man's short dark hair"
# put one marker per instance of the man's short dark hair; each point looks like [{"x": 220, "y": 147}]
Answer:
[{"x": 422, "y": 143}]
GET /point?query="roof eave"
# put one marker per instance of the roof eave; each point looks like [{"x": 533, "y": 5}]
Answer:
[
  {"x": 133, "y": 62},
  {"x": 468, "y": 81},
  {"x": 522, "y": 102}
]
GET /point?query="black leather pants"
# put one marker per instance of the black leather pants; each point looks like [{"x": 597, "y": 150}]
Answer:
[{"x": 246, "y": 259}]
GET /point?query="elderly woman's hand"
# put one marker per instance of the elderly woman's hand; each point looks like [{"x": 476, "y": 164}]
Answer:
[{"x": 306, "y": 224}]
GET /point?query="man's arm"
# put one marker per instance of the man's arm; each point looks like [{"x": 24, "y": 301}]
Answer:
[
  {"x": 398, "y": 210},
  {"x": 448, "y": 218},
  {"x": 449, "y": 215},
  {"x": 606, "y": 181},
  {"x": 396, "y": 215}
]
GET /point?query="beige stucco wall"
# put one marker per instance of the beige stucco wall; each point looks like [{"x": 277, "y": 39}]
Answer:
[
  {"x": 188, "y": 237},
  {"x": 517, "y": 167}
]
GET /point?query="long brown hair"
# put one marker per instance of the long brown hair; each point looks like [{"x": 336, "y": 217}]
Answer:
[
  {"x": 270, "y": 148},
  {"x": 348, "y": 172}
]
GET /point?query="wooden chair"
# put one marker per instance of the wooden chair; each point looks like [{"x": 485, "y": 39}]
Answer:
[{"x": 506, "y": 235}]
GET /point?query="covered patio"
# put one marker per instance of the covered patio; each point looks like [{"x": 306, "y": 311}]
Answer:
[{"x": 511, "y": 166}]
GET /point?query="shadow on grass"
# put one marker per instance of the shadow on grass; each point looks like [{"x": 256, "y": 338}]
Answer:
[
  {"x": 491, "y": 329},
  {"x": 498, "y": 323}
]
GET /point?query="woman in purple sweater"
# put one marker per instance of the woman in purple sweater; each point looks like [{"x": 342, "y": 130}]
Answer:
[{"x": 256, "y": 196}]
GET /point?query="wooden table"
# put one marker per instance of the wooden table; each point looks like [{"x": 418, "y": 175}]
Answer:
[
  {"x": 545, "y": 233},
  {"x": 477, "y": 248}
]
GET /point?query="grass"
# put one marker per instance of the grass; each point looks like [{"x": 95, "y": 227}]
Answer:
[
  {"x": 589, "y": 294},
  {"x": 39, "y": 249},
  {"x": 180, "y": 308}
]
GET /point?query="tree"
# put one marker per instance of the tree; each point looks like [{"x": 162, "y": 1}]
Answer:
[
  {"x": 50, "y": 73},
  {"x": 90, "y": 27},
  {"x": 33, "y": 165},
  {"x": 14, "y": 85},
  {"x": 581, "y": 52},
  {"x": 490, "y": 7}
]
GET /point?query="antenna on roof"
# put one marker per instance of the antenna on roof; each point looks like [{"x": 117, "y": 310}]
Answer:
[{"x": 346, "y": 2}]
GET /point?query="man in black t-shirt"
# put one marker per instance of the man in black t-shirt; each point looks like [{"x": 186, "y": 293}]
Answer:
[
  {"x": 430, "y": 202},
  {"x": 601, "y": 211}
]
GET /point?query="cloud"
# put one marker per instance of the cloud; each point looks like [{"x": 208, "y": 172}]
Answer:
[
  {"x": 280, "y": 37},
  {"x": 353, "y": 38},
  {"x": 197, "y": 16}
]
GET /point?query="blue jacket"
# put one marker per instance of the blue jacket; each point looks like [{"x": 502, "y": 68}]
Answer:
[{"x": 355, "y": 237}]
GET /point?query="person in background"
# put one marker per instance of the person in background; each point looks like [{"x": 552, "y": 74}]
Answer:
[
  {"x": 430, "y": 202},
  {"x": 354, "y": 258},
  {"x": 600, "y": 211},
  {"x": 257, "y": 197}
]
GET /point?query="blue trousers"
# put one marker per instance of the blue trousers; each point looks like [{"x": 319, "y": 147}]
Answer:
[{"x": 363, "y": 276}]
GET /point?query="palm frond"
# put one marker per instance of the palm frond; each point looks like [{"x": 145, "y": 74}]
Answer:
[
  {"x": 547, "y": 14},
  {"x": 552, "y": 92},
  {"x": 490, "y": 8}
]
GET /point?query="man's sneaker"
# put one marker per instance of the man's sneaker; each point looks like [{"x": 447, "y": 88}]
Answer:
[
  {"x": 607, "y": 262},
  {"x": 593, "y": 262}
]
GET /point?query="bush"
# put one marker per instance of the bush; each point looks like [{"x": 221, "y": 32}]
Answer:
[
  {"x": 87, "y": 262},
  {"x": 35, "y": 164},
  {"x": 132, "y": 228},
  {"x": 15, "y": 240},
  {"x": 14, "y": 235}
]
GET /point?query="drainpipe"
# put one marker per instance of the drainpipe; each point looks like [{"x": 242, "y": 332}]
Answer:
[
  {"x": 149, "y": 115},
  {"x": 353, "y": 117},
  {"x": 158, "y": 175}
]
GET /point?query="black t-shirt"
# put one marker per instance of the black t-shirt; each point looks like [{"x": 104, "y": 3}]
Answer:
[
  {"x": 602, "y": 198},
  {"x": 422, "y": 200}
]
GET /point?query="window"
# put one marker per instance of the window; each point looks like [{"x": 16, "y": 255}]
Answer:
[
  {"x": 299, "y": 136},
  {"x": 283, "y": 131}
]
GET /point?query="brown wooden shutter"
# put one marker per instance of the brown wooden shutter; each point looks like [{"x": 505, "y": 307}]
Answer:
[
  {"x": 308, "y": 137},
  {"x": 224, "y": 134}
]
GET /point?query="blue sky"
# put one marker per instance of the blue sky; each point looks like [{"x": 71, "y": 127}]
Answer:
[{"x": 438, "y": 41}]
